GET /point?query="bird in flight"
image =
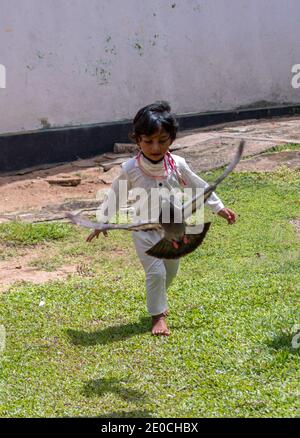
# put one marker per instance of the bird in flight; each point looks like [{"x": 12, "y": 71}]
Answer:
[{"x": 175, "y": 242}]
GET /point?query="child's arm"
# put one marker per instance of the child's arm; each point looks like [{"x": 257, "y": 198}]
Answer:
[
  {"x": 214, "y": 203},
  {"x": 113, "y": 200}
]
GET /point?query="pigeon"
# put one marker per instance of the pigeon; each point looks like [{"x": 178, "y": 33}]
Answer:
[{"x": 175, "y": 243}]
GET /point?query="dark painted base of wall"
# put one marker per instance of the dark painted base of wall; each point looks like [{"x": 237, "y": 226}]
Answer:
[{"x": 35, "y": 148}]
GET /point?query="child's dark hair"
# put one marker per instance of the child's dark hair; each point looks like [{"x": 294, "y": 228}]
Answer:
[{"x": 152, "y": 118}]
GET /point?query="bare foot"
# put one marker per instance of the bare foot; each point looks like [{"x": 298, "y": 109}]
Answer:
[{"x": 159, "y": 325}]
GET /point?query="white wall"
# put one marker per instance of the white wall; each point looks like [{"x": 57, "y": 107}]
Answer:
[{"x": 89, "y": 61}]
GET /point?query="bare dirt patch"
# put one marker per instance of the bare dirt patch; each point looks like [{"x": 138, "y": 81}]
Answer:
[
  {"x": 32, "y": 191},
  {"x": 18, "y": 269},
  {"x": 270, "y": 162},
  {"x": 204, "y": 149},
  {"x": 296, "y": 224},
  {"x": 47, "y": 262}
]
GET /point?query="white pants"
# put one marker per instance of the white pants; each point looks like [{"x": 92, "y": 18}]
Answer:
[{"x": 159, "y": 272}]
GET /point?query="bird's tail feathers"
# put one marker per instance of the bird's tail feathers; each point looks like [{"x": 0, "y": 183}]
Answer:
[{"x": 164, "y": 249}]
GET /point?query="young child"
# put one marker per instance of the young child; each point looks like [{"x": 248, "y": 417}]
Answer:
[{"x": 154, "y": 130}]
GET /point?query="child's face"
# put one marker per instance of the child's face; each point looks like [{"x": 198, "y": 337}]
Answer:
[{"x": 155, "y": 146}]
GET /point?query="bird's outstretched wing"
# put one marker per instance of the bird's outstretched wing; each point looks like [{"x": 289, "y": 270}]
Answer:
[
  {"x": 164, "y": 249},
  {"x": 86, "y": 223},
  {"x": 192, "y": 204}
]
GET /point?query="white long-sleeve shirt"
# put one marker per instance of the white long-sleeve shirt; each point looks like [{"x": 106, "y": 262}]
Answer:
[{"x": 137, "y": 175}]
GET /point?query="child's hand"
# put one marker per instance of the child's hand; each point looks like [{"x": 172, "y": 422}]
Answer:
[
  {"x": 228, "y": 214},
  {"x": 96, "y": 233}
]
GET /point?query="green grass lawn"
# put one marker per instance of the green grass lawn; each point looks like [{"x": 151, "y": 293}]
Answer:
[{"x": 233, "y": 310}]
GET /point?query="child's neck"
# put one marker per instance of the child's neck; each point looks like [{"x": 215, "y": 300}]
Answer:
[{"x": 152, "y": 161}]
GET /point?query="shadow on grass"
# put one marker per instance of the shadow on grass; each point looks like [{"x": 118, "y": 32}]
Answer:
[
  {"x": 99, "y": 387},
  {"x": 109, "y": 334},
  {"x": 283, "y": 342}
]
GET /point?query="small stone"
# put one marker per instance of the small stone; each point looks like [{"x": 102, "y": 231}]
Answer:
[
  {"x": 110, "y": 175},
  {"x": 125, "y": 147},
  {"x": 64, "y": 180},
  {"x": 220, "y": 371},
  {"x": 113, "y": 155},
  {"x": 84, "y": 163},
  {"x": 112, "y": 163}
]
